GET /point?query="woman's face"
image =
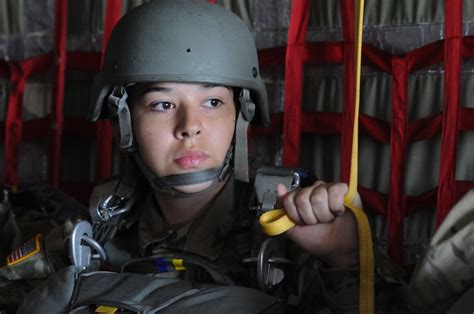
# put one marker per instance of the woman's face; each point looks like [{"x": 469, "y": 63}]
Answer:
[{"x": 181, "y": 127}]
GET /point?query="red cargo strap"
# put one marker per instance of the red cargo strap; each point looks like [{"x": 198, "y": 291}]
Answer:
[
  {"x": 398, "y": 148},
  {"x": 57, "y": 119},
  {"x": 294, "y": 78},
  {"x": 452, "y": 86},
  {"x": 104, "y": 127}
]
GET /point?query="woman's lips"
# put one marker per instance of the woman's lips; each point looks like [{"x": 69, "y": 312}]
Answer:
[{"x": 190, "y": 159}]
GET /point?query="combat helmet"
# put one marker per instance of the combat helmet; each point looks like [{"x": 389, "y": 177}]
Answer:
[{"x": 181, "y": 41}]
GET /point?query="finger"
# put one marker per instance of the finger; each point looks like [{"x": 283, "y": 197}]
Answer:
[
  {"x": 336, "y": 194},
  {"x": 281, "y": 192},
  {"x": 320, "y": 204},
  {"x": 304, "y": 206},
  {"x": 318, "y": 184},
  {"x": 290, "y": 208}
]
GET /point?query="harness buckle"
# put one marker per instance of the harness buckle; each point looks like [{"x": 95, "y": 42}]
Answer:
[
  {"x": 266, "y": 181},
  {"x": 117, "y": 105},
  {"x": 81, "y": 243},
  {"x": 111, "y": 206}
]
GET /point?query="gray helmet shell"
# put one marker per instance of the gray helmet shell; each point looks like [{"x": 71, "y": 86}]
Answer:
[{"x": 180, "y": 41}]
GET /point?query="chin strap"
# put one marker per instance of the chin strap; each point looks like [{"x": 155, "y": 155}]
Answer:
[
  {"x": 246, "y": 114},
  {"x": 168, "y": 183},
  {"x": 119, "y": 110}
]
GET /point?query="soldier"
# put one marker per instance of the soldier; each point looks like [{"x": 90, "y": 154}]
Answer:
[{"x": 181, "y": 82}]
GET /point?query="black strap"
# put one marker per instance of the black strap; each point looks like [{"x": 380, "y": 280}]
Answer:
[{"x": 147, "y": 265}]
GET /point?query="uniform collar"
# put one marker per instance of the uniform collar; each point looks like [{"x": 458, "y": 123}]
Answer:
[{"x": 205, "y": 236}]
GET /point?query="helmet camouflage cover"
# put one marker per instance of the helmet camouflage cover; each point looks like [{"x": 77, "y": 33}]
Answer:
[{"x": 180, "y": 41}]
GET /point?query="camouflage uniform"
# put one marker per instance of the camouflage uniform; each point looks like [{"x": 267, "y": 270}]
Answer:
[
  {"x": 36, "y": 213},
  {"x": 224, "y": 235}
]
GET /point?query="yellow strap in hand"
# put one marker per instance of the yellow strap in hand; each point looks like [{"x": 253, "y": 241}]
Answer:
[
  {"x": 275, "y": 222},
  {"x": 366, "y": 258}
]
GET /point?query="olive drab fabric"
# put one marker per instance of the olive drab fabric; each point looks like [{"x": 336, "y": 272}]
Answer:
[
  {"x": 447, "y": 270},
  {"x": 70, "y": 291},
  {"x": 37, "y": 219},
  {"x": 208, "y": 44}
]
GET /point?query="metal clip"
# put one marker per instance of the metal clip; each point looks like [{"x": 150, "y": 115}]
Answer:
[
  {"x": 118, "y": 108},
  {"x": 296, "y": 182},
  {"x": 268, "y": 274},
  {"x": 269, "y": 265},
  {"x": 81, "y": 245},
  {"x": 266, "y": 181},
  {"x": 109, "y": 207}
]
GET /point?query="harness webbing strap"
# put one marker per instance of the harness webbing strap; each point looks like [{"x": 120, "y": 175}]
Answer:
[{"x": 276, "y": 222}]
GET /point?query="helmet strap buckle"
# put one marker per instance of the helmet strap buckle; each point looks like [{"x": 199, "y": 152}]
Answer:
[
  {"x": 118, "y": 107},
  {"x": 246, "y": 114}
]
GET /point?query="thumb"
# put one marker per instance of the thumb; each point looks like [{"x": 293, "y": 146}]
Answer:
[{"x": 281, "y": 192}]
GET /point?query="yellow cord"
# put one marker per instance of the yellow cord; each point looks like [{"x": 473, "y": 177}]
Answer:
[
  {"x": 276, "y": 221},
  {"x": 366, "y": 258}
]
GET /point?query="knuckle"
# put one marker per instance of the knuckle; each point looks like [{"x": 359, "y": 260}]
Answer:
[
  {"x": 337, "y": 189},
  {"x": 318, "y": 198},
  {"x": 301, "y": 199},
  {"x": 317, "y": 184}
]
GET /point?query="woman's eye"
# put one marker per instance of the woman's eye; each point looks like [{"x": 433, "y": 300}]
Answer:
[
  {"x": 214, "y": 102},
  {"x": 162, "y": 106}
]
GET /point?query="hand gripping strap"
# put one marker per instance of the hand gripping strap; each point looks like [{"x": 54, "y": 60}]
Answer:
[
  {"x": 275, "y": 222},
  {"x": 271, "y": 222}
]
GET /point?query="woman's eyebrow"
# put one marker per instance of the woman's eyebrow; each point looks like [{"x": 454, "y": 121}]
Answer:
[
  {"x": 210, "y": 86},
  {"x": 156, "y": 89}
]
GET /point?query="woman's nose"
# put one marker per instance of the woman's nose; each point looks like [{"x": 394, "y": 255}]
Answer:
[{"x": 189, "y": 124}]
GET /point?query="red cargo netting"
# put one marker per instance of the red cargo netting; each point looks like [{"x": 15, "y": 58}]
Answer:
[{"x": 399, "y": 133}]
